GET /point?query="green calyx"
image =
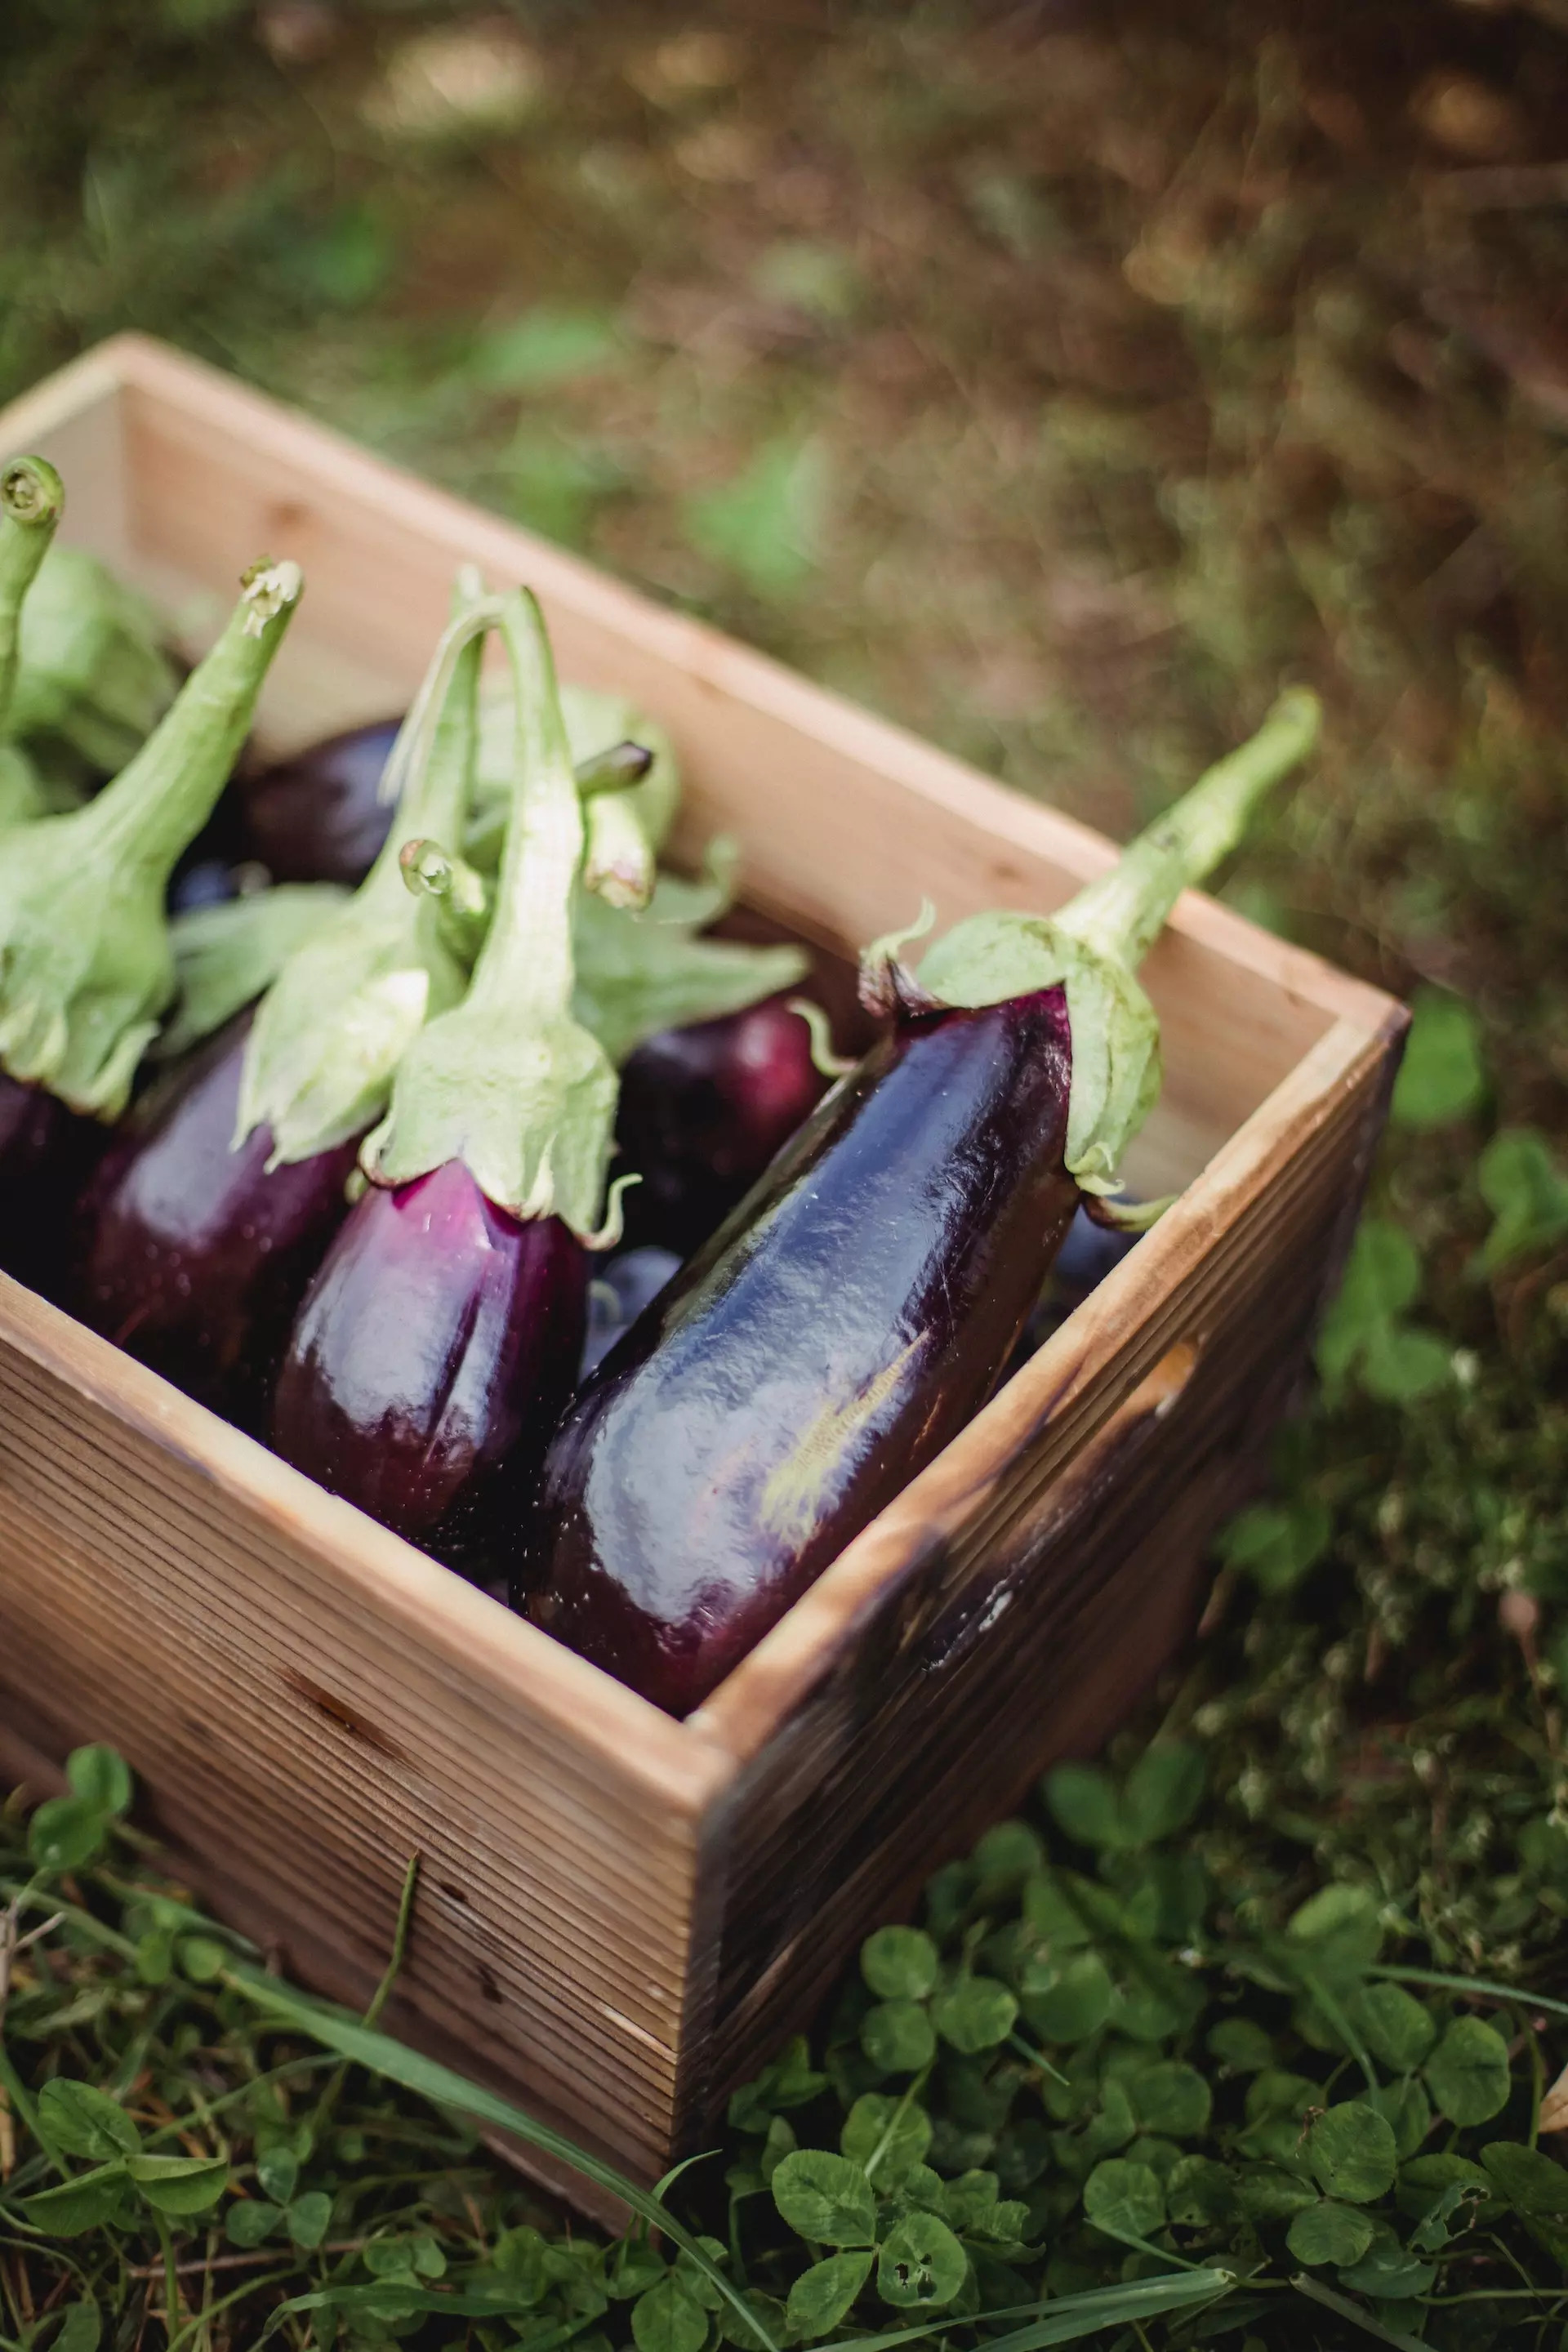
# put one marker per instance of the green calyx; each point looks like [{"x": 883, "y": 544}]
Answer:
[
  {"x": 640, "y": 972},
  {"x": 636, "y": 971},
  {"x": 1093, "y": 946},
  {"x": 225, "y": 956},
  {"x": 24, "y": 793},
  {"x": 1116, "y": 1068},
  {"x": 463, "y": 892},
  {"x": 331, "y": 1031},
  {"x": 509, "y": 1081},
  {"x": 86, "y": 961},
  {"x": 92, "y": 678}
]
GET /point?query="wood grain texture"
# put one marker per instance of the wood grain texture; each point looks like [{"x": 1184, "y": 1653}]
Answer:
[
  {"x": 311, "y": 1702},
  {"x": 618, "y": 1914}
]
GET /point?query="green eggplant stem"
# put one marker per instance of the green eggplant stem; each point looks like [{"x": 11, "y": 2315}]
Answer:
[
  {"x": 156, "y": 807},
  {"x": 1121, "y": 913},
  {"x": 32, "y": 500},
  {"x": 618, "y": 860},
  {"x": 330, "y": 1033},
  {"x": 1094, "y": 945},
  {"x": 615, "y": 770},
  {"x": 460, "y": 895},
  {"x": 86, "y": 966},
  {"x": 525, "y": 969},
  {"x": 431, "y": 762},
  {"x": 509, "y": 1081}
]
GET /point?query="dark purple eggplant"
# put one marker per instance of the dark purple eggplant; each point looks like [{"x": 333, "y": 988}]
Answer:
[
  {"x": 829, "y": 1340},
  {"x": 863, "y": 1301},
  {"x": 319, "y": 817},
  {"x": 441, "y": 1338},
  {"x": 46, "y": 1156},
  {"x": 30, "y": 1121},
  {"x": 433, "y": 1354},
  {"x": 194, "y": 1255},
  {"x": 702, "y": 1112}
]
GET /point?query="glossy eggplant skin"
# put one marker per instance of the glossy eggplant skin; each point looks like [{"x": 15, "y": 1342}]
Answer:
[
  {"x": 433, "y": 1354},
  {"x": 702, "y": 1112},
  {"x": 46, "y": 1156},
  {"x": 318, "y": 817},
  {"x": 835, "y": 1335},
  {"x": 192, "y": 1257}
]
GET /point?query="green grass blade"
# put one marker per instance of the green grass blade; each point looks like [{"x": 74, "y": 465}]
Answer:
[
  {"x": 1069, "y": 2319},
  {"x": 443, "y": 2088},
  {"x": 1358, "y": 2316}
]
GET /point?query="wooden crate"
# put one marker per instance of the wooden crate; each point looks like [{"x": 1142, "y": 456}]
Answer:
[{"x": 618, "y": 1915}]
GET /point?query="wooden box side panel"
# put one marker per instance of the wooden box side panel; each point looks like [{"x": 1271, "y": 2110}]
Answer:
[
  {"x": 1050, "y": 1654},
  {"x": 844, "y": 819},
  {"x": 1025, "y": 1617},
  {"x": 305, "y": 1734}
]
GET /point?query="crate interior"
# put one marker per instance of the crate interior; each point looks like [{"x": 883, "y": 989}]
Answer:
[{"x": 830, "y": 847}]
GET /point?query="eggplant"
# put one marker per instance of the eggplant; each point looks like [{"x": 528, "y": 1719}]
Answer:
[
  {"x": 863, "y": 1301},
  {"x": 734, "y": 1439},
  {"x": 437, "y": 1349},
  {"x": 441, "y": 1337},
  {"x": 207, "y": 1223},
  {"x": 29, "y": 1124},
  {"x": 46, "y": 1156},
  {"x": 210, "y": 1216},
  {"x": 319, "y": 816},
  {"x": 702, "y": 1112},
  {"x": 194, "y": 1254}
]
